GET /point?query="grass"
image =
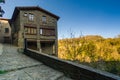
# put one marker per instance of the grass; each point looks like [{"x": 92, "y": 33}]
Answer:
[{"x": 2, "y": 72}]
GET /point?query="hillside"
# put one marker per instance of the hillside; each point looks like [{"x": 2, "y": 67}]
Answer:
[{"x": 95, "y": 51}]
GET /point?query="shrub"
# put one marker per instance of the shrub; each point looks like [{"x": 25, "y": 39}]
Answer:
[
  {"x": 118, "y": 50},
  {"x": 2, "y": 72}
]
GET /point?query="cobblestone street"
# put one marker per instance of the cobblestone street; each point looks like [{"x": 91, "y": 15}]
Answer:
[{"x": 21, "y": 67}]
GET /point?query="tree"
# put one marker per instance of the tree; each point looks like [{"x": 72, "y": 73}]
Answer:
[
  {"x": 2, "y": 1},
  {"x": 1, "y": 10},
  {"x": 118, "y": 50}
]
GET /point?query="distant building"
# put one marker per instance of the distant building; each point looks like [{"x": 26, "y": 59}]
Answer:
[
  {"x": 5, "y": 31},
  {"x": 38, "y": 26}
]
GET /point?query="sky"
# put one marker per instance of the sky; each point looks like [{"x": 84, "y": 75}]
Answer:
[{"x": 79, "y": 17}]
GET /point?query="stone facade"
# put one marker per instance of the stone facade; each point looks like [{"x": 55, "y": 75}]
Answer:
[
  {"x": 37, "y": 26},
  {"x": 5, "y": 31}
]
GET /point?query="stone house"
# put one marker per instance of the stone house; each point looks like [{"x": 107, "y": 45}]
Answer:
[
  {"x": 37, "y": 26},
  {"x": 5, "y": 31}
]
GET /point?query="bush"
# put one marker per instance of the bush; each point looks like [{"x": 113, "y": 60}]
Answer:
[
  {"x": 118, "y": 50},
  {"x": 2, "y": 72}
]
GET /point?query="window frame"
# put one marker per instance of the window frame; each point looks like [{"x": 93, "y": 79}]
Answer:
[
  {"x": 30, "y": 30},
  {"x": 44, "y": 19},
  {"x": 25, "y": 14},
  {"x": 47, "y": 31},
  {"x": 31, "y": 17},
  {"x": 41, "y": 31},
  {"x": 6, "y": 30}
]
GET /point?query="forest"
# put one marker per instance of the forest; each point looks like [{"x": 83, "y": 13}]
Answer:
[{"x": 92, "y": 50}]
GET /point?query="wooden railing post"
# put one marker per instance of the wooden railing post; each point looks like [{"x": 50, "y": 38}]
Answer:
[{"x": 25, "y": 43}]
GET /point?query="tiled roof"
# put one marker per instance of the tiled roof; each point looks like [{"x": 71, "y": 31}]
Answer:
[
  {"x": 4, "y": 19},
  {"x": 17, "y": 9}
]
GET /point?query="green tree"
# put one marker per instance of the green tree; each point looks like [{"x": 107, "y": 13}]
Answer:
[{"x": 118, "y": 50}]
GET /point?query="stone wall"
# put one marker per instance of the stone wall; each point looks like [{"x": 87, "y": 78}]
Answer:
[
  {"x": 70, "y": 69},
  {"x": 15, "y": 30},
  {"x": 5, "y": 37}
]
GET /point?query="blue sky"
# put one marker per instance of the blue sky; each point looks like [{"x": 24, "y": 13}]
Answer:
[{"x": 89, "y": 17}]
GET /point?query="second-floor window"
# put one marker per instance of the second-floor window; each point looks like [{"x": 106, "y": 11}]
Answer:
[
  {"x": 6, "y": 30},
  {"x": 30, "y": 30},
  {"x": 31, "y": 17},
  {"x": 44, "y": 19},
  {"x": 25, "y": 14},
  {"x": 47, "y": 32},
  {"x": 41, "y": 31}
]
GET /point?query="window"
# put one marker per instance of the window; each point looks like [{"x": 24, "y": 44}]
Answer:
[
  {"x": 47, "y": 32},
  {"x": 35, "y": 32},
  {"x": 41, "y": 31},
  {"x": 30, "y": 30},
  {"x": 44, "y": 19},
  {"x": 6, "y": 30},
  {"x": 25, "y": 14},
  {"x": 31, "y": 17}
]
